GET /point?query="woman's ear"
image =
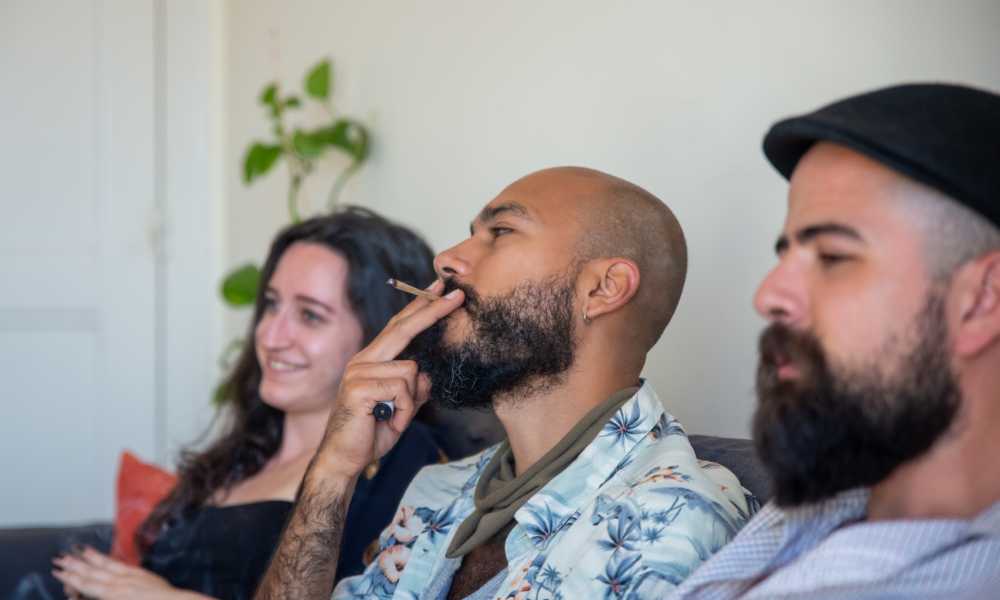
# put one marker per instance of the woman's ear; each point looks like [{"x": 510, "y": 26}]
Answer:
[
  {"x": 976, "y": 292},
  {"x": 610, "y": 284}
]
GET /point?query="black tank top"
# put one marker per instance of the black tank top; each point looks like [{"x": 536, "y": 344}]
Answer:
[{"x": 221, "y": 551}]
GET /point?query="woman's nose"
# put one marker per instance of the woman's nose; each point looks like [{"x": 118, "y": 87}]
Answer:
[{"x": 273, "y": 330}]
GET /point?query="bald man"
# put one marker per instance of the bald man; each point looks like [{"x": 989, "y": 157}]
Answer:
[{"x": 546, "y": 313}]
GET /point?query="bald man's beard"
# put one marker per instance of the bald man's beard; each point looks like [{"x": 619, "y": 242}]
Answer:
[
  {"x": 521, "y": 343},
  {"x": 832, "y": 430}
]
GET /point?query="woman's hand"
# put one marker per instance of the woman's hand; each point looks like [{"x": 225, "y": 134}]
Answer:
[{"x": 93, "y": 574}]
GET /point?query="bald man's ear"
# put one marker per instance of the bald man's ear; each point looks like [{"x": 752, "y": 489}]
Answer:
[
  {"x": 609, "y": 284},
  {"x": 976, "y": 314}
]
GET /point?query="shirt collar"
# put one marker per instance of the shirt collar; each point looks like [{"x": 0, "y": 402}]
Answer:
[
  {"x": 849, "y": 505},
  {"x": 557, "y": 502},
  {"x": 987, "y": 523}
]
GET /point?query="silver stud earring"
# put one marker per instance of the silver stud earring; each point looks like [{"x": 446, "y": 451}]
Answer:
[{"x": 586, "y": 318}]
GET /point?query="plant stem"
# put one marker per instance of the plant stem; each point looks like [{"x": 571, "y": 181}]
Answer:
[
  {"x": 298, "y": 167},
  {"x": 293, "y": 196},
  {"x": 338, "y": 184},
  {"x": 226, "y": 359}
]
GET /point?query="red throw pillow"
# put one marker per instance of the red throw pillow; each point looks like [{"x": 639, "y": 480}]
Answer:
[{"x": 141, "y": 486}]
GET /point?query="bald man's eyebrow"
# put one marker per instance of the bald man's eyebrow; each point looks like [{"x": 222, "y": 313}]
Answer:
[
  {"x": 807, "y": 234},
  {"x": 491, "y": 213}
]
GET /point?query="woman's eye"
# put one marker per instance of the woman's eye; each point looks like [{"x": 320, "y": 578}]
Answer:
[
  {"x": 829, "y": 260},
  {"x": 499, "y": 231},
  {"x": 311, "y": 317},
  {"x": 270, "y": 304}
]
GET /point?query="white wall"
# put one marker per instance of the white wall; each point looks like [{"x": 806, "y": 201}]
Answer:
[
  {"x": 192, "y": 187},
  {"x": 465, "y": 97},
  {"x": 110, "y": 246}
]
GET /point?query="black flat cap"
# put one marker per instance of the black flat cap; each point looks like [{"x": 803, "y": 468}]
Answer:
[{"x": 945, "y": 136}]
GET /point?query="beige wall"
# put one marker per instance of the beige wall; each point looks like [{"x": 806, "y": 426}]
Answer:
[{"x": 464, "y": 97}]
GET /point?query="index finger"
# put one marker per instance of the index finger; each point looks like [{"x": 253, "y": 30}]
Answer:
[
  {"x": 405, "y": 326},
  {"x": 103, "y": 561}
]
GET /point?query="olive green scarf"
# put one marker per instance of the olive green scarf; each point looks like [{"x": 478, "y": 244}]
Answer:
[{"x": 499, "y": 493}]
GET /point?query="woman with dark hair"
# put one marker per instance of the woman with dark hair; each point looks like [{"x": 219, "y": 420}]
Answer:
[{"x": 322, "y": 298}]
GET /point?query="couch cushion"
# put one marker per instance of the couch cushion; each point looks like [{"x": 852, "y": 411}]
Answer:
[
  {"x": 141, "y": 486},
  {"x": 739, "y": 456},
  {"x": 26, "y": 555}
]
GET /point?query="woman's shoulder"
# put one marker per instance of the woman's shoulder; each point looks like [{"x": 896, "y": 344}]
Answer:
[
  {"x": 275, "y": 506},
  {"x": 417, "y": 444},
  {"x": 414, "y": 450}
]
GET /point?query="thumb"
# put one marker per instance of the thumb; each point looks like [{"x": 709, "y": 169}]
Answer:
[{"x": 423, "y": 390}]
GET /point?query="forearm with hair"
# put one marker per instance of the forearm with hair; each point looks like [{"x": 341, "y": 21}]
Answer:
[{"x": 305, "y": 563}]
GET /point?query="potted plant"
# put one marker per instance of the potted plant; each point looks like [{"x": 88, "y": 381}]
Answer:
[{"x": 300, "y": 149}]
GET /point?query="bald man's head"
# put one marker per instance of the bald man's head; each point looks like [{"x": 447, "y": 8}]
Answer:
[
  {"x": 623, "y": 220},
  {"x": 617, "y": 218},
  {"x": 563, "y": 265}
]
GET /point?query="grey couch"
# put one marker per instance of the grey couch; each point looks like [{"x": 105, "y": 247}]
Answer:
[
  {"x": 30, "y": 550},
  {"x": 739, "y": 456}
]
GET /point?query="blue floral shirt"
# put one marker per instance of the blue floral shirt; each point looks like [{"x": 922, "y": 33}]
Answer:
[{"x": 631, "y": 517}]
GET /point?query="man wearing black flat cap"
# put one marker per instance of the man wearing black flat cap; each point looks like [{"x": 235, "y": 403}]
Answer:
[{"x": 879, "y": 375}]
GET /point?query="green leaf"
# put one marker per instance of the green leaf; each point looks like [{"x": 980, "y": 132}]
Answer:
[
  {"x": 269, "y": 97},
  {"x": 318, "y": 81},
  {"x": 308, "y": 145},
  {"x": 259, "y": 160},
  {"x": 227, "y": 362},
  {"x": 292, "y": 102},
  {"x": 239, "y": 288},
  {"x": 347, "y": 135},
  {"x": 221, "y": 394}
]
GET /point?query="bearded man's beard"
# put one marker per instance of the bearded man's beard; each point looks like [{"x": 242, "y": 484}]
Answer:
[
  {"x": 521, "y": 341},
  {"x": 832, "y": 429}
]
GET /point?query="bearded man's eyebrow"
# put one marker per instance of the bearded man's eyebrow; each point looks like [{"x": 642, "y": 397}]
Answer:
[
  {"x": 807, "y": 234},
  {"x": 810, "y": 233},
  {"x": 492, "y": 213}
]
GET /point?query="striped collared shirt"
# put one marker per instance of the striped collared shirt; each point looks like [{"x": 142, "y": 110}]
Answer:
[{"x": 829, "y": 551}]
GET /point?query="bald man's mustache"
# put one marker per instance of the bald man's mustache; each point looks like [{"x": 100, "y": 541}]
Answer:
[{"x": 472, "y": 298}]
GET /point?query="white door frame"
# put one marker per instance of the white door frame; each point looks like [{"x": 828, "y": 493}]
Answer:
[{"x": 191, "y": 193}]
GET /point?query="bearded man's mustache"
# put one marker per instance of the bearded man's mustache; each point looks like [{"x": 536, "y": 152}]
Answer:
[
  {"x": 472, "y": 298},
  {"x": 519, "y": 340},
  {"x": 829, "y": 430}
]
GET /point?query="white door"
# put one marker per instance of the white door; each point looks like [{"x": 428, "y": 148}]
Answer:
[{"x": 77, "y": 260}]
